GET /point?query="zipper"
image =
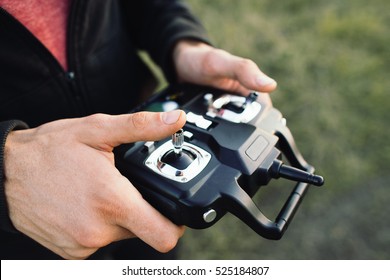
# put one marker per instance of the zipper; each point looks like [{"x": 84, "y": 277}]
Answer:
[
  {"x": 73, "y": 74},
  {"x": 72, "y": 53},
  {"x": 70, "y": 78}
]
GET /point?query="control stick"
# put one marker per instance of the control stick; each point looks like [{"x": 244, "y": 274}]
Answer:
[
  {"x": 178, "y": 141},
  {"x": 178, "y": 157}
]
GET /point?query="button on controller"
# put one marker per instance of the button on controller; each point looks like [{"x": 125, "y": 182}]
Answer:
[{"x": 209, "y": 216}]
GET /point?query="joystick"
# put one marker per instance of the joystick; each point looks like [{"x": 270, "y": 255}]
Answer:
[
  {"x": 230, "y": 147},
  {"x": 233, "y": 108},
  {"x": 178, "y": 157},
  {"x": 178, "y": 141},
  {"x": 178, "y": 160}
]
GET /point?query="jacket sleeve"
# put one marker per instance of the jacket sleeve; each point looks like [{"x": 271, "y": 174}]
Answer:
[
  {"x": 5, "y": 128},
  {"x": 156, "y": 25}
]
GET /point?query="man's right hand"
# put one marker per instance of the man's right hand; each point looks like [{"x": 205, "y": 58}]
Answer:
[{"x": 64, "y": 191}]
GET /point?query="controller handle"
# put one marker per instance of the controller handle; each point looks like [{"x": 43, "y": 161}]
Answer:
[{"x": 240, "y": 204}]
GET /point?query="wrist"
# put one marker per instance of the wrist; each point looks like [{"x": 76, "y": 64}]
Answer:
[{"x": 5, "y": 128}]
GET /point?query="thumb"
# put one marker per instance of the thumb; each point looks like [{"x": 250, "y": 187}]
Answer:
[{"x": 107, "y": 130}]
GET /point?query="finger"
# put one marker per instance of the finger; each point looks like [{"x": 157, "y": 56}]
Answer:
[
  {"x": 250, "y": 76},
  {"x": 142, "y": 126},
  {"x": 140, "y": 218},
  {"x": 245, "y": 71}
]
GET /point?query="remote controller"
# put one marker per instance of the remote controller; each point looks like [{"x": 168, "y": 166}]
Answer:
[{"x": 229, "y": 147}]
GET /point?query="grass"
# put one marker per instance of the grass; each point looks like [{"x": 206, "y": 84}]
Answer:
[{"x": 331, "y": 61}]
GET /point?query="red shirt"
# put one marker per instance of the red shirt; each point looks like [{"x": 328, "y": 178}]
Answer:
[{"x": 47, "y": 20}]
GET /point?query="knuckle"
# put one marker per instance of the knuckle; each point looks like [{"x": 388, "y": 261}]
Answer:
[
  {"x": 99, "y": 121},
  {"x": 208, "y": 66},
  {"x": 209, "y": 63},
  {"x": 78, "y": 254},
  {"x": 139, "y": 120},
  {"x": 245, "y": 62},
  {"x": 89, "y": 238},
  {"x": 167, "y": 244}
]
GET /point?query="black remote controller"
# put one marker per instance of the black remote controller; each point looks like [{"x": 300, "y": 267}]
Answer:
[{"x": 229, "y": 147}]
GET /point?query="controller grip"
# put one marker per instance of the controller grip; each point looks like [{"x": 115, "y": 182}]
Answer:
[{"x": 240, "y": 204}]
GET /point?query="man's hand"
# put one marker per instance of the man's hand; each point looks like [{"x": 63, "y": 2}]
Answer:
[
  {"x": 64, "y": 191},
  {"x": 199, "y": 63}
]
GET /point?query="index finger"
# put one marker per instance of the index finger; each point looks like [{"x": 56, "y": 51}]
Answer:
[{"x": 140, "y": 218}]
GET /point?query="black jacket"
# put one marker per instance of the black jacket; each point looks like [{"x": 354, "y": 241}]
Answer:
[{"x": 105, "y": 73}]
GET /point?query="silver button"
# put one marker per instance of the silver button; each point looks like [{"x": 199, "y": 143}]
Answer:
[
  {"x": 149, "y": 145},
  {"x": 198, "y": 120},
  {"x": 209, "y": 216},
  {"x": 188, "y": 135}
]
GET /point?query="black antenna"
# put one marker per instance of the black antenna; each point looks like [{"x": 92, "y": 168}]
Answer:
[{"x": 279, "y": 169}]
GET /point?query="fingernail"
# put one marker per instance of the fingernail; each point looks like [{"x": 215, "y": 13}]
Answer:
[
  {"x": 171, "y": 117},
  {"x": 265, "y": 81}
]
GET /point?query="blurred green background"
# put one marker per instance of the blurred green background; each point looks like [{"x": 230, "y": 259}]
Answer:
[{"x": 331, "y": 59}]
